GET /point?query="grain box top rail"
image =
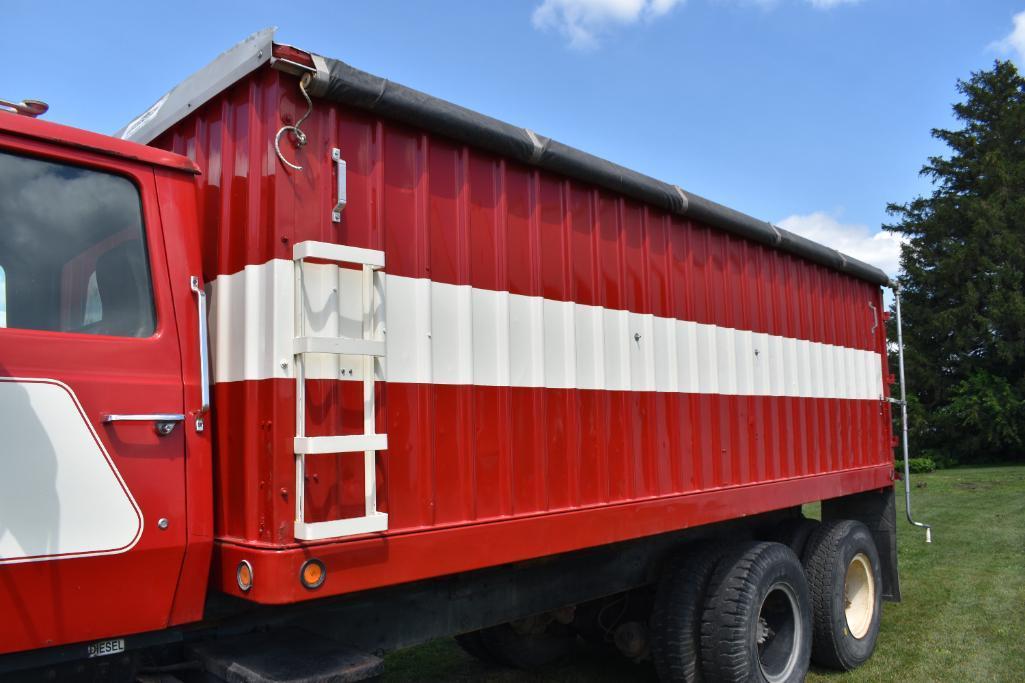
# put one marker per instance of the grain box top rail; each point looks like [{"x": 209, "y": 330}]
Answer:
[{"x": 339, "y": 82}]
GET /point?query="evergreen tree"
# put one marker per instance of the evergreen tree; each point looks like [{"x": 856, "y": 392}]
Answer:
[{"x": 963, "y": 279}]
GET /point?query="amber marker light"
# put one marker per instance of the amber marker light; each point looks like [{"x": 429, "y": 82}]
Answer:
[
  {"x": 312, "y": 573},
  {"x": 244, "y": 576}
]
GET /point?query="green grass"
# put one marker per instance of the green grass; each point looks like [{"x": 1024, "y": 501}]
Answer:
[{"x": 962, "y": 619}]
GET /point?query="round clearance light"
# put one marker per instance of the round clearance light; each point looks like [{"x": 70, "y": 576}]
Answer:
[
  {"x": 312, "y": 573},
  {"x": 244, "y": 576}
]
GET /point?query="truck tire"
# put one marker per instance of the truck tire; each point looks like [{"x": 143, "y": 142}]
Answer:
[
  {"x": 676, "y": 618},
  {"x": 845, "y": 581},
  {"x": 528, "y": 648},
  {"x": 794, "y": 532},
  {"x": 756, "y": 624}
]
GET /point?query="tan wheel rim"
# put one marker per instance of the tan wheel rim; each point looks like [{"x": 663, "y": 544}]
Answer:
[{"x": 859, "y": 595}]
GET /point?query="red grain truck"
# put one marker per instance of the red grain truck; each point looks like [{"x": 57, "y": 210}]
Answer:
[{"x": 326, "y": 367}]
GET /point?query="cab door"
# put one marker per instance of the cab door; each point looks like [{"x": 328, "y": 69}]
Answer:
[{"x": 92, "y": 446}]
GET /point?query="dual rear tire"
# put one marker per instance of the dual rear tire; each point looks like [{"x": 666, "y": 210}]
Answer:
[
  {"x": 676, "y": 617},
  {"x": 756, "y": 624},
  {"x": 757, "y": 612},
  {"x": 845, "y": 582},
  {"x": 733, "y": 614}
]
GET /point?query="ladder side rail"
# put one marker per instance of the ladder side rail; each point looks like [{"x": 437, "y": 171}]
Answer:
[
  {"x": 299, "y": 363},
  {"x": 369, "y": 402}
]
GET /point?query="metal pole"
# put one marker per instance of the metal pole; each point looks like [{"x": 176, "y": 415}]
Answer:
[{"x": 904, "y": 419}]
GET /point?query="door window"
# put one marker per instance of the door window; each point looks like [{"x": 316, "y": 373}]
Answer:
[
  {"x": 3, "y": 298},
  {"x": 72, "y": 250}
]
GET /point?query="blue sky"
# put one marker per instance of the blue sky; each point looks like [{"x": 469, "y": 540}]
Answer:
[{"x": 810, "y": 113}]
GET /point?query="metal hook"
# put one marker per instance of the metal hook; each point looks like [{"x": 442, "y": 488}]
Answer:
[
  {"x": 32, "y": 108},
  {"x": 300, "y": 137}
]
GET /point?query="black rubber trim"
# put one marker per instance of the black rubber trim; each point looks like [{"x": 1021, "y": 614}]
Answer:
[{"x": 359, "y": 89}]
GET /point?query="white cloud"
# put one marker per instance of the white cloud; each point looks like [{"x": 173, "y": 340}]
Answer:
[
  {"x": 583, "y": 21},
  {"x": 1014, "y": 42},
  {"x": 878, "y": 248}
]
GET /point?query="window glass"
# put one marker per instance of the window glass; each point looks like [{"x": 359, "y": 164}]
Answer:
[
  {"x": 93, "y": 306},
  {"x": 72, "y": 250},
  {"x": 3, "y": 298}
]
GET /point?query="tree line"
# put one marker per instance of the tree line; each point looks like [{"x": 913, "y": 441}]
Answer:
[{"x": 962, "y": 280}]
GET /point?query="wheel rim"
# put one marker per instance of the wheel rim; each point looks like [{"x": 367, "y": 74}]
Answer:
[
  {"x": 779, "y": 632},
  {"x": 859, "y": 596}
]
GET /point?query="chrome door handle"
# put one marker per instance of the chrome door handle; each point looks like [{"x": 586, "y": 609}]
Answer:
[
  {"x": 163, "y": 422},
  {"x": 204, "y": 359}
]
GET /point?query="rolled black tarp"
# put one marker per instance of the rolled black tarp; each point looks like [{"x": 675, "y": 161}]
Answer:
[{"x": 353, "y": 87}]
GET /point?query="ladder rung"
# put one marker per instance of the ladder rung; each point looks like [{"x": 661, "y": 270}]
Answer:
[
  {"x": 353, "y": 443},
  {"x": 338, "y": 345},
  {"x": 315, "y": 531},
  {"x": 338, "y": 253}
]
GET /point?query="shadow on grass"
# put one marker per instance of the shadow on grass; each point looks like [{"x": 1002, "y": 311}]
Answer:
[
  {"x": 961, "y": 619},
  {"x": 443, "y": 660}
]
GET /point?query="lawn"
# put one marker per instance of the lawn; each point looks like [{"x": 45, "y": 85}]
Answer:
[{"x": 962, "y": 619}]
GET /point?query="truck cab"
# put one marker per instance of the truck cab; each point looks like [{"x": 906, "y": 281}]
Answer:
[{"x": 101, "y": 401}]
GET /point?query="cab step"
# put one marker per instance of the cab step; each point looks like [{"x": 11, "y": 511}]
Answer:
[{"x": 289, "y": 655}]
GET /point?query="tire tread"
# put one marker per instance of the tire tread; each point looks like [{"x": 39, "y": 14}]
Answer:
[
  {"x": 821, "y": 562},
  {"x": 676, "y": 618},
  {"x": 728, "y": 604}
]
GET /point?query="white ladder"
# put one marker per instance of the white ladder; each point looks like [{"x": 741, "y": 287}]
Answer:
[{"x": 369, "y": 348}]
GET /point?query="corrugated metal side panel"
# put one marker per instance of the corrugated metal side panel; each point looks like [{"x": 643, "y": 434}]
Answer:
[
  {"x": 247, "y": 201},
  {"x": 450, "y": 214},
  {"x": 246, "y": 208}
]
